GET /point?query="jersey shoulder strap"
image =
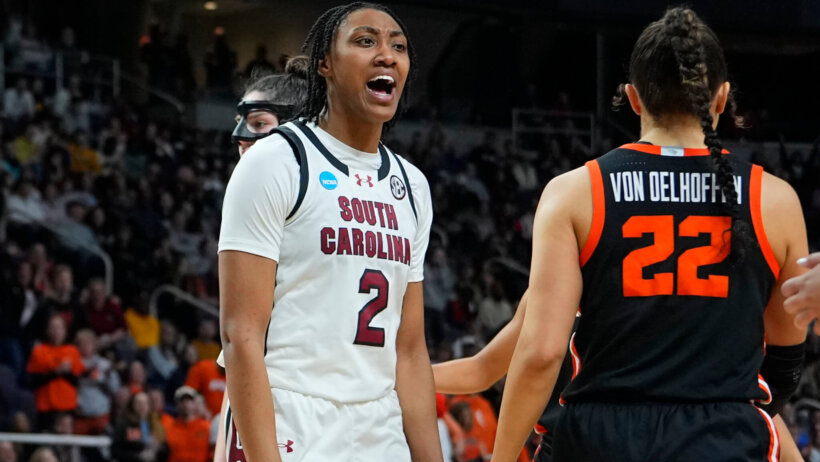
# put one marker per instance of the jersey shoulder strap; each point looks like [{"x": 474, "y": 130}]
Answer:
[
  {"x": 406, "y": 180},
  {"x": 301, "y": 159}
]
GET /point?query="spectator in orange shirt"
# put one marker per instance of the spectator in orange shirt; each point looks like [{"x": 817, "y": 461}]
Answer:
[
  {"x": 188, "y": 435},
  {"x": 208, "y": 379},
  {"x": 484, "y": 419},
  {"x": 205, "y": 343},
  {"x": 467, "y": 447},
  {"x": 55, "y": 369}
]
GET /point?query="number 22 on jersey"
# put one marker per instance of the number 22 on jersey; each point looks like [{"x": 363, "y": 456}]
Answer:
[{"x": 662, "y": 227}]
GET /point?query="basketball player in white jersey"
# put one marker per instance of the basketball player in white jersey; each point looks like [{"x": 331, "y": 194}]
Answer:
[{"x": 329, "y": 227}]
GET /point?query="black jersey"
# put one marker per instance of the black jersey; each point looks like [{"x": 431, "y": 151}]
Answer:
[{"x": 665, "y": 314}]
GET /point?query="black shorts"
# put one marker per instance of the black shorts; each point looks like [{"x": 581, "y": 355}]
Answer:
[
  {"x": 708, "y": 432},
  {"x": 544, "y": 451}
]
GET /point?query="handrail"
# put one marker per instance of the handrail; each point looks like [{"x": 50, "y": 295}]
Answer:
[
  {"x": 807, "y": 402},
  {"x": 519, "y": 127},
  {"x": 96, "y": 250},
  {"x": 208, "y": 308},
  {"x": 442, "y": 235},
  {"x": 552, "y": 112},
  {"x": 511, "y": 264},
  {"x": 167, "y": 97},
  {"x": 53, "y": 439},
  {"x": 619, "y": 128},
  {"x": 116, "y": 76}
]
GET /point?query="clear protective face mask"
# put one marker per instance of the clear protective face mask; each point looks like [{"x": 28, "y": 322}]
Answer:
[{"x": 256, "y": 119}]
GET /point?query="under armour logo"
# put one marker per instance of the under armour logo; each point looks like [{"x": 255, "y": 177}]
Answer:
[
  {"x": 288, "y": 446},
  {"x": 368, "y": 179}
]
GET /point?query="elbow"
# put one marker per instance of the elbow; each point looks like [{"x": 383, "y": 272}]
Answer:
[
  {"x": 240, "y": 342},
  {"x": 540, "y": 358}
]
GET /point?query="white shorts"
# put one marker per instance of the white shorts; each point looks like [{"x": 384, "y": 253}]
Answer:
[{"x": 311, "y": 429}]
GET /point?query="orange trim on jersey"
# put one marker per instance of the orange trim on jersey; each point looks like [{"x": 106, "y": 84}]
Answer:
[
  {"x": 656, "y": 150},
  {"x": 761, "y": 382},
  {"x": 576, "y": 364},
  {"x": 757, "y": 220},
  {"x": 576, "y": 358},
  {"x": 774, "y": 437},
  {"x": 598, "y": 211},
  {"x": 540, "y": 429}
]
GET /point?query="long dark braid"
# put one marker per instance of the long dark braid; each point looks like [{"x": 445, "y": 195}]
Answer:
[
  {"x": 317, "y": 45},
  {"x": 686, "y": 31},
  {"x": 688, "y": 48},
  {"x": 677, "y": 66}
]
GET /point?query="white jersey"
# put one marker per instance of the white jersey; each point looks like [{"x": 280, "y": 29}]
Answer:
[{"x": 345, "y": 257}]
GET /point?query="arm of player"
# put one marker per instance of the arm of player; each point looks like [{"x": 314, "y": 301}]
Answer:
[
  {"x": 477, "y": 373},
  {"x": 785, "y": 229},
  {"x": 220, "y": 451},
  {"x": 803, "y": 293},
  {"x": 246, "y": 298},
  {"x": 788, "y": 449},
  {"x": 554, "y": 296},
  {"x": 414, "y": 379},
  {"x": 786, "y": 232}
]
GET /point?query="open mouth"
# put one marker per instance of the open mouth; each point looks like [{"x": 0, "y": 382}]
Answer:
[{"x": 381, "y": 85}]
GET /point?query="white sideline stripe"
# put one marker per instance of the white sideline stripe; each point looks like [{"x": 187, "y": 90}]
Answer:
[{"x": 55, "y": 439}]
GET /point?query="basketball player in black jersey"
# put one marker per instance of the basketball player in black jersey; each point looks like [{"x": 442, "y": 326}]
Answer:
[
  {"x": 675, "y": 251},
  {"x": 479, "y": 372}
]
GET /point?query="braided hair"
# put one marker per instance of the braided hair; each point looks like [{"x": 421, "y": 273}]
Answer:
[
  {"x": 317, "y": 45},
  {"x": 677, "y": 66}
]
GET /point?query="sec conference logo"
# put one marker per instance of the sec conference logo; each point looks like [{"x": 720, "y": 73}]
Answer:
[
  {"x": 328, "y": 180},
  {"x": 397, "y": 187}
]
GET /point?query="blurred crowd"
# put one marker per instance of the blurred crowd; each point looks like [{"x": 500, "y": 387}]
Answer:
[{"x": 83, "y": 176}]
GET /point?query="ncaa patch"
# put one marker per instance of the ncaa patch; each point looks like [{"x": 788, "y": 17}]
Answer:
[
  {"x": 328, "y": 180},
  {"x": 397, "y": 187}
]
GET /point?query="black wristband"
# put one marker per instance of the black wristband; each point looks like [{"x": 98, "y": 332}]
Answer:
[{"x": 781, "y": 370}]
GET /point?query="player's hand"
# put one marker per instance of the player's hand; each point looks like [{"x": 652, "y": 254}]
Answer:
[{"x": 803, "y": 293}]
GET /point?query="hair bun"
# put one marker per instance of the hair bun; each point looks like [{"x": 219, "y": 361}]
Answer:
[{"x": 298, "y": 66}]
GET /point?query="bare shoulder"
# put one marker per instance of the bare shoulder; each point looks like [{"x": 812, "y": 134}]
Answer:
[
  {"x": 782, "y": 215},
  {"x": 568, "y": 186},
  {"x": 776, "y": 194}
]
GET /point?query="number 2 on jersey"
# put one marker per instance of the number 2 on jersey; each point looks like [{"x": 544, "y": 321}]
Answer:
[
  {"x": 365, "y": 334},
  {"x": 662, "y": 227}
]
